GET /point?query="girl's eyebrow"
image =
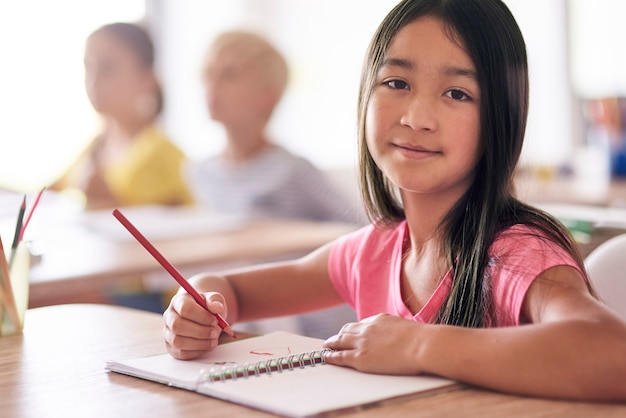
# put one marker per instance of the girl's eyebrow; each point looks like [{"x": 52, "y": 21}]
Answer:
[
  {"x": 460, "y": 71},
  {"x": 446, "y": 70},
  {"x": 398, "y": 62}
]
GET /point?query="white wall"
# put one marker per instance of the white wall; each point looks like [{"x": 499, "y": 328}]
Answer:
[
  {"x": 549, "y": 135},
  {"x": 598, "y": 61}
]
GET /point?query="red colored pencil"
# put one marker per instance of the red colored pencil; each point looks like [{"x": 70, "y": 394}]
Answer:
[
  {"x": 171, "y": 270},
  {"x": 30, "y": 212}
]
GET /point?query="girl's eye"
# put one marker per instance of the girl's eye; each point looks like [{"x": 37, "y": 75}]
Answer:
[
  {"x": 397, "y": 84},
  {"x": 457, "y": 94}
]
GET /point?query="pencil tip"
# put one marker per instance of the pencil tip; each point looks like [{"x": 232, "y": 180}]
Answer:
[{"x": 230, "y": 332}]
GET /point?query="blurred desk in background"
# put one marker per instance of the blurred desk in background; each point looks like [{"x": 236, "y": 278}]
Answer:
[
  {"x": 593, "y": 210},
  {"x": 79, "y": 256},
  {"x": 590, "y": 225},
  {"x": 550, "y": 188},
  {"x": 82, "y": 258},
  {"x": 81, "y": 265}
]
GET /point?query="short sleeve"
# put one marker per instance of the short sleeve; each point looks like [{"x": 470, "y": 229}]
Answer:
[
  {"x": 343, "y": 254},
  {"x": 517, "y": 258},
  {"x": 364, "y": 267}
]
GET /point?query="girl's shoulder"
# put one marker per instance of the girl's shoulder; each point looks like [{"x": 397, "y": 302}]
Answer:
[
  {"x": 521, "y": 243},
  {"x": 517, "y": 257},
  {"x": 519, "y": 234}
]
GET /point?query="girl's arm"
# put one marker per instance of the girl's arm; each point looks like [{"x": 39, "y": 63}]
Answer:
[
  {"x": 269, "y": 290},
  {"x": 574, "y": 347}
]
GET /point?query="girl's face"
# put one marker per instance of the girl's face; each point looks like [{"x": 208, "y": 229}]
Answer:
[
  {"x": 114, "y": 76},
  {"x": 422, "y": 125}
]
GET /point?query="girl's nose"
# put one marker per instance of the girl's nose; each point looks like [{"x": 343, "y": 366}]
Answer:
[{"x": 419, "y": 114}]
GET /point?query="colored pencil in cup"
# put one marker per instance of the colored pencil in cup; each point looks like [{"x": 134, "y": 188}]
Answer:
[
  {"x": 171, "y": 270},
  {"x": 18, "y": 230},
  {"x": 9, "y": 306},
  {"x": 30, "y": 213}
]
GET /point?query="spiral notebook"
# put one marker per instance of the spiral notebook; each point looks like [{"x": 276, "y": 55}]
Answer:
[{"x": 281, "y": 373}]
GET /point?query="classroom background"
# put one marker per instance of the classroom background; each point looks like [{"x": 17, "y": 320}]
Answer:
[
  {"x": 573, "y": 45},
  {"x": 573, "y": 165}
]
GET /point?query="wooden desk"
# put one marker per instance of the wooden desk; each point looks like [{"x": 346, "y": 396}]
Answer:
[
  {"x": 79, "y": 268},
  {"x": 56, "y": 368}
]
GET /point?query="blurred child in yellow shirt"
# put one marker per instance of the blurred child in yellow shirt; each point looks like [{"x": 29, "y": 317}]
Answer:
[{"x": 131, "y": 162}]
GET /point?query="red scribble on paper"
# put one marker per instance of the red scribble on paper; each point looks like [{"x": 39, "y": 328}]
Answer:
[{"x": 271, "y": 351}]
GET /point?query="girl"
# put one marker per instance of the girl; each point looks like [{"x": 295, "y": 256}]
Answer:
[
  {"x": 131, "y": 161},
  {"x": 454, "y": 277}
]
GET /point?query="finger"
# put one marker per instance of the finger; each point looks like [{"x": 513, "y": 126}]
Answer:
[
  {"x": 186, "y": 348},
  {"x": 183, "y": 354},
  {"x": 184, "y": 305},
  {"x": 181, "y": 326},
  {"x": 351, "y": 328},
  {"x": 332, "y": 342},
  {"x": 215, "y": 302},
  {"x": 341, "y": 341},
  {"x": 191, "y": 342},
  {"x": 340, "y": 358}
]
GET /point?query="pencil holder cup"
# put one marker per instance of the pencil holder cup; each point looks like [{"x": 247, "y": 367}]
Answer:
[{"x": 14, "y": 290}]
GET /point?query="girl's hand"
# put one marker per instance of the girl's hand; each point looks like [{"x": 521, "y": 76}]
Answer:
[
  {"x": 190, "y": 331},
  {"x": 379, "y": 344}
]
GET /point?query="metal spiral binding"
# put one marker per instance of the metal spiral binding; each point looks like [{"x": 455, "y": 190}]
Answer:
[{"x": 273, "y": 365}]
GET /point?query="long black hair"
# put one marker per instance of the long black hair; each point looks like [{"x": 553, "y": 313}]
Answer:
[{"x": 487, "y": 31}]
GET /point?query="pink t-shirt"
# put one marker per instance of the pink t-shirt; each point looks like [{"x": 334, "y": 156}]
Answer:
[{"x": 365, "y": 268}]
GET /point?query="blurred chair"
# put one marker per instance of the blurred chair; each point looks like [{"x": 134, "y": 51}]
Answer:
[{"x": 606, "y": 266}]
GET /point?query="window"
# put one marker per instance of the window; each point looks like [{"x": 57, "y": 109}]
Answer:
[{"x": 46, "y": 118}]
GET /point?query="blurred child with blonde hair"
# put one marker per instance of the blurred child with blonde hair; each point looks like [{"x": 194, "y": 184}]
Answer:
[{"x": 245, "y": 77}]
